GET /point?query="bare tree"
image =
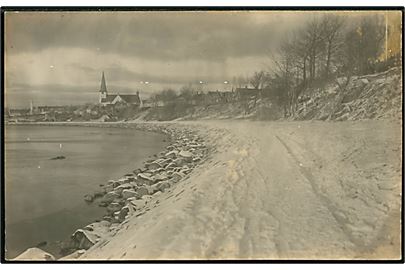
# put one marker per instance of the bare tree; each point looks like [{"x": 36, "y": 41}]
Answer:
[
  {"x": 332, "y": 32},
  {"x": 259, "y": 79}
]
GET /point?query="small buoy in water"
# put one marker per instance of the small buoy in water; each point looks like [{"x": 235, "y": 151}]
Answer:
[
  {"x": 28, "y": 139},
  {"x": 39, "y": 167},
  {"x": 60, "y": 145}
]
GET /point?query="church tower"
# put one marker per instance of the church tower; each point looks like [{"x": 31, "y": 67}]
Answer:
[{"x": 103, "y": 89}]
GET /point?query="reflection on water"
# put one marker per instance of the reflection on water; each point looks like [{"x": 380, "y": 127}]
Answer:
[{"x": 44, "y": 197}]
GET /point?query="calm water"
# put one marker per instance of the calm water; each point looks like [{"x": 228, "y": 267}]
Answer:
[{"x": 44, "y": 197}]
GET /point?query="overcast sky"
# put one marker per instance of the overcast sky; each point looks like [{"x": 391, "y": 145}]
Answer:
[{"x": 57, "y": 58}]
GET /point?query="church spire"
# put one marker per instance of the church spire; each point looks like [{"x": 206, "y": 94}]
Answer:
[{"x": 103, "y": 88}]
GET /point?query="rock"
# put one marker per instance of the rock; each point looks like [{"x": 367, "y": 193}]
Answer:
[
  {"x": 177, "y": 176},
  {"x": 108, "y": 188},
  {"x": 113, "y": 207},
  {"x": 186, "y": 155},
  {"x": 146, "y": 177},
  {"x": 98, "y": 194},
  {"x": 110, "y": 196},
  {"x": 171, "y": 165},
  {"x": 123, "y": 213},
  {"x": 179, "y": 162},
  {"x": 34, "y": 254},
  {"x": 152, "y": 189},
  {"x": 142, "y": 191},
  {"x": 99, "y": 227},
  {"x": 108, "y": 218},
  {"x": 120, "y": 188},
  {"x": 129, "y": 193},
  {"x": 88, "y": 198},
  {"x": 153, "y": 166},
  {"x": 138, "y": 204},
  {"x": 172, "y": 154},
  {"x": 162, "y": 186},
  {"x": 82, "y": 239},
  {"x": 113, "y": 183},
  {"x": 160, "y": 177},
  {"x": 58, "y": 158},
  {"x": 131, "y": 178},
  {"x": 103, "y": 204}
]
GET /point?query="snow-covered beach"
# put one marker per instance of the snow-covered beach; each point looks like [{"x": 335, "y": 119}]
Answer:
[{"x": 274, "y": 190}]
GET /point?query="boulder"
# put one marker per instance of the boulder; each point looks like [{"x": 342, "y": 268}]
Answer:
[
  {"x": 108, "y": 218},
  {"x": 146, "y": 177},
  {"x": 171, "y": 165},
  {"x": 142, "y": 191},
  {"x": 179, "y": 162},
  {"x": 162, "y": 186},
  {"x": 186, "y": 155},
  {"x": 82, "y": 239},
  {"x": 129, "y": 193},
  {"x": 172, "y": 154},
  {"x": 120, "y": 188},
  {"x": 160, "y": 177},
  {"x": 138, "y": 204},
  {"x": 122, "y": 181},
  {"x": 99, "y": 193},
  {"x": 113, "y": 183},
  {"x": 113, "y": 207},
  {"x": 153, "y": 166},
  {"x": 99, "y": 227},
  {"x": 88, "y": 198},
  {"x": 110, "y": 196},
  {"x": 108, "y": 188},
  {"x": 131, "y": 178},
  {"x": 123, "y": 213},
  {"x": 34, "y": 254},
  {"x": 177, "y": 176}
]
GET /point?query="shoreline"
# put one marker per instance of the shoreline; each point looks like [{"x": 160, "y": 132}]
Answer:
[
  {"x": 258, "y": 183},
  {"x": 130, "y": 195}
]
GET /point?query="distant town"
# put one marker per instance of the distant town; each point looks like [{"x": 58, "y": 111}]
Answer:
[{"x": 122, "y": 107}]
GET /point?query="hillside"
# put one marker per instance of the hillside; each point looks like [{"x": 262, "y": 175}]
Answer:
[{"x": 375, "y": 96}]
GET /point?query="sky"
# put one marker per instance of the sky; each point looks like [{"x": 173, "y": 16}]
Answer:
[{"x": 56, "y": 58}]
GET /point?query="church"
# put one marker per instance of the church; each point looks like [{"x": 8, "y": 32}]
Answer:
[{"x": 111, "y": 99}]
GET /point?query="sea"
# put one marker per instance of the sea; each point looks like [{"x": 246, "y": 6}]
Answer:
[{"x": 44, "y": 201}]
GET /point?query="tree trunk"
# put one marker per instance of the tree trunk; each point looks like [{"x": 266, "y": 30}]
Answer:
[{"x": 328, "y": 59}]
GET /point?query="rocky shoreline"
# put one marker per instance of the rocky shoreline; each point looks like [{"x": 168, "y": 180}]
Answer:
[{"x": 136, "y": 192}]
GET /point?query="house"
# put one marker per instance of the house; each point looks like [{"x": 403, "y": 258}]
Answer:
[{"x": 111, "y": 99}]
